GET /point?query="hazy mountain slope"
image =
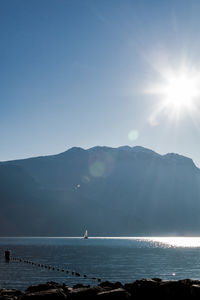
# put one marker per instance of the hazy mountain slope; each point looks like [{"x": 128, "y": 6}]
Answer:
[
  {"x": 28, "y": 209},
  {"x": 111, "y": 191},
  {"x": 60, "y": 171},
  {"x": 18, "y": 194}
]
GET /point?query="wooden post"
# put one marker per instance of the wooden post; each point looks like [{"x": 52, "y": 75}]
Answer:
[{"x": 7, "y": 255}]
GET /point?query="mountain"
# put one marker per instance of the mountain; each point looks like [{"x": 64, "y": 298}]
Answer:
[{"x": 111, "y": 191}]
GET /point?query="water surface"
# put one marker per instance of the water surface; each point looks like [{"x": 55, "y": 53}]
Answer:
[{"x": 115, "y": 259}]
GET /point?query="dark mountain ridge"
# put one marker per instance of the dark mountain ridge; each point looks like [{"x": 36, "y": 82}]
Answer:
[{"x": 111, "y": 191}]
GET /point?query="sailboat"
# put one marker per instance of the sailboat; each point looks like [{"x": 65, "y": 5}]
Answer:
[{"x": 86, "y": 234}]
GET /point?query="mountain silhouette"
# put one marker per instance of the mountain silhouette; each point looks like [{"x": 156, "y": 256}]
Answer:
[{"x": 111, "y": 191}]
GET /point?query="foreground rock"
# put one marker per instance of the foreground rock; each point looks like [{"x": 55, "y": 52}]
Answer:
[
  {"x": 140, "y": 289},
  {"x": 114, "y": 294},
  {"x": 46, "y": 286},
  {"x": 46, "y": 294}
]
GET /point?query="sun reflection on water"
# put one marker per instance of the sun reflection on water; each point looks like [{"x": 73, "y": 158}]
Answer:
[
  {"x": 167, "y": 242},
  {"x": 160, "y": 242}
]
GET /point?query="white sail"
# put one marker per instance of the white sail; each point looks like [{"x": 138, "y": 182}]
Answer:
[{"x": 86, "y": 234}]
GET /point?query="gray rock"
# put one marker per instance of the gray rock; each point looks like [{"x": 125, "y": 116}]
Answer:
[
  {"x": 143, "y": 288},
  {"x": 175, "y": 289},
  {"x": 56, "y": 294},
  {"x": 117, "y": 294},
  {"x": 195, "y": 290},
  {"x": 10, "y": 293},
  {"x": 80, "y": 285},
  {"x": 8, "y": 298},
  {"x": 84, "y": 293},
  {"x": 45, "y": 287},
  {"x": 111, "y": 285}
]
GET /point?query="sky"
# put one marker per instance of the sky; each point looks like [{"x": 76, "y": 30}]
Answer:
[{"x": 86, "y": 73}]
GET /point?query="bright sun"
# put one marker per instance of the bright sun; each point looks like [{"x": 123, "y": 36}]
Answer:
[{"x": 178, "y": 92}]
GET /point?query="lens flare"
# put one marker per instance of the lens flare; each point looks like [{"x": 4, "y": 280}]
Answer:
[
  {"x": 101, "y": 164},
  {"x": 97, "y": 169},
  {"x": 133, "y": 135}
]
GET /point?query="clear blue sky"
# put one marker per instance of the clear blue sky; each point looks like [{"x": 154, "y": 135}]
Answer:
[{"x": 73, "y": 73}]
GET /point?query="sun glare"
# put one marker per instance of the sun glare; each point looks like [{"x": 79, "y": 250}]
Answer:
[{"x": 178, "y": 92}]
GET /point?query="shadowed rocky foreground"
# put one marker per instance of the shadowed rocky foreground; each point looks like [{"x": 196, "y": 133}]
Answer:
[{"x": 140, "y": 289}]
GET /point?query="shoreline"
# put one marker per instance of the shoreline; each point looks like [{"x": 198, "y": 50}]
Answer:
[{"x": 155, "y": 288}]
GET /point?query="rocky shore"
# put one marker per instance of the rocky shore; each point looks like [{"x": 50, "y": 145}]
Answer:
[{"x": 140, "y": 289}]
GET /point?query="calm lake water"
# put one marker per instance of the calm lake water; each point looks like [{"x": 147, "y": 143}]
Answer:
[{"x": 115, "y": 259}]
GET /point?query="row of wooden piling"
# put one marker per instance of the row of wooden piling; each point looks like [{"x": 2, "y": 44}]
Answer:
[{"x": 48, "y": 267}]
